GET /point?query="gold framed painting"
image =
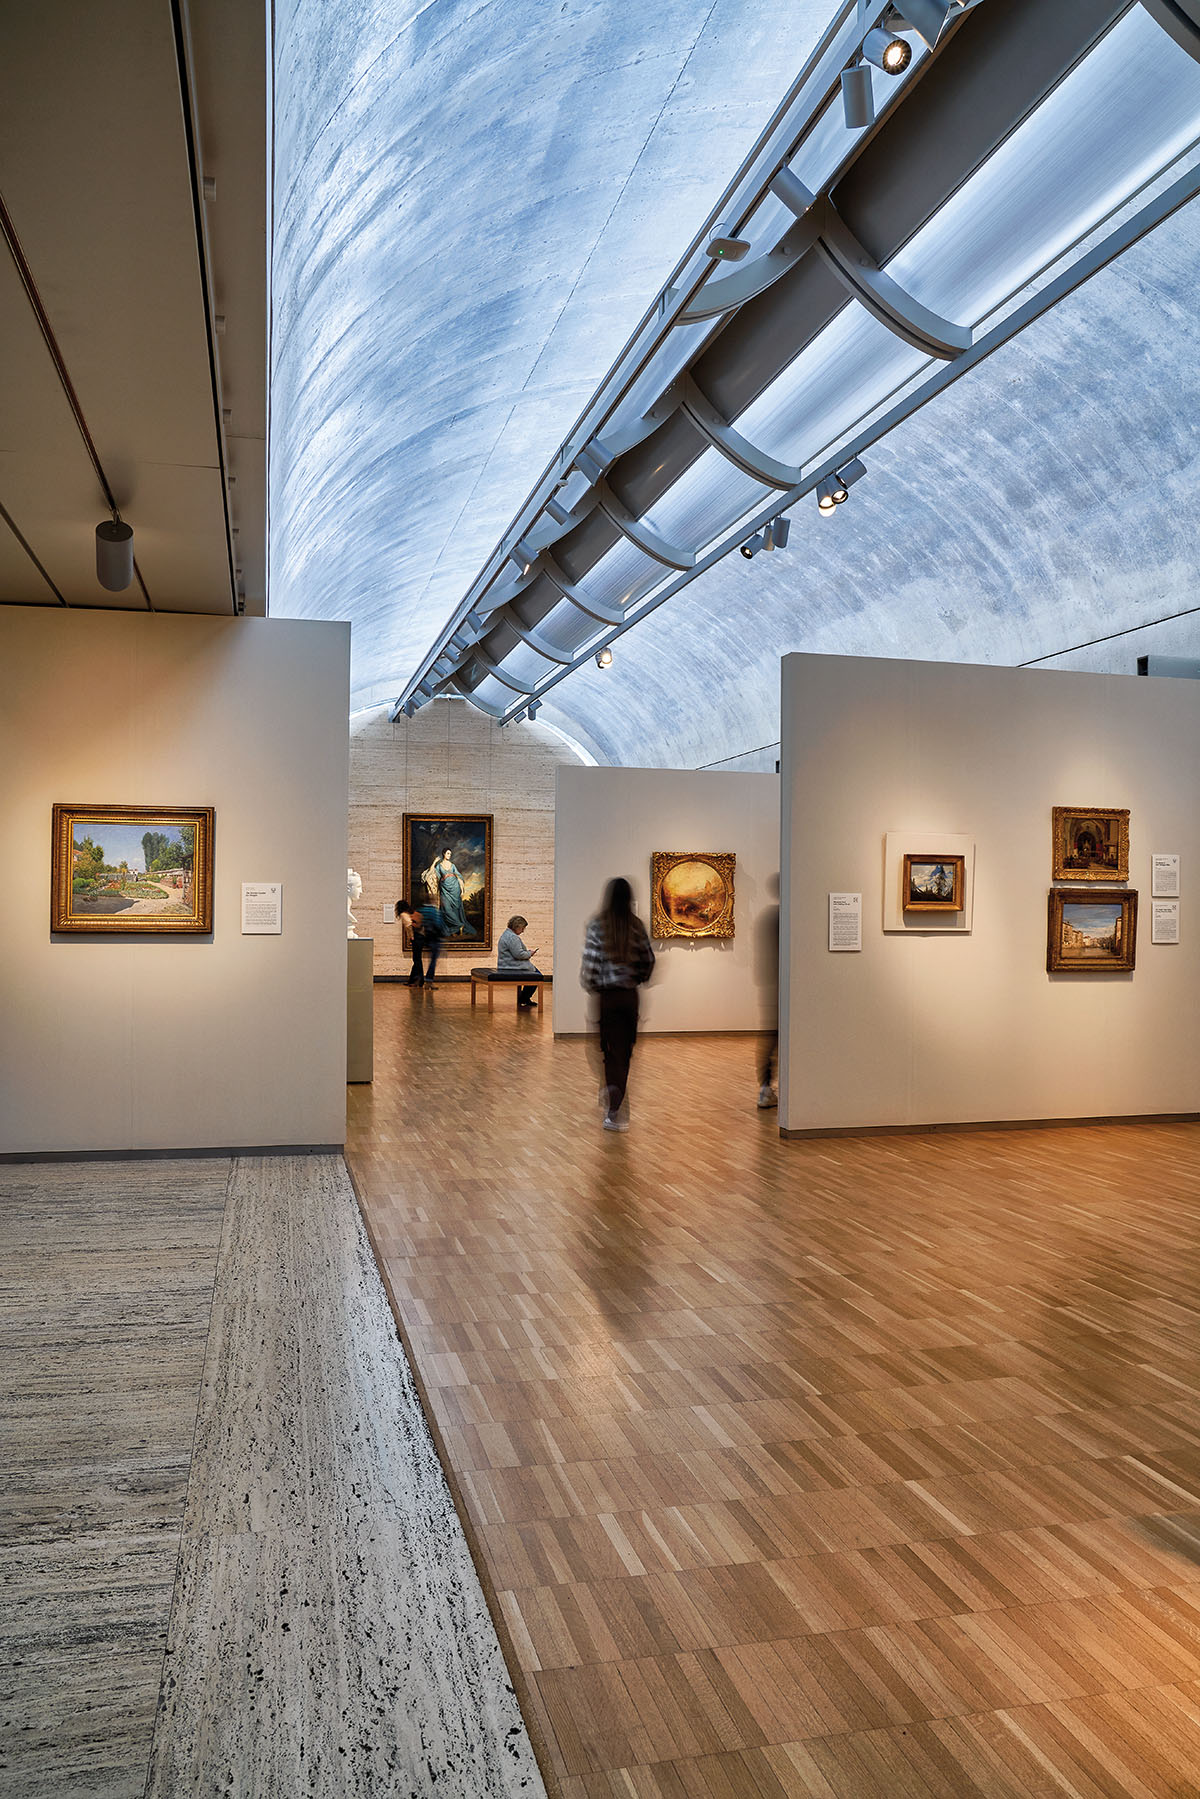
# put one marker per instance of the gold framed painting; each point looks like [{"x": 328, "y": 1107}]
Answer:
[
  {"x": 1092, "y": 932},
  {"x": 691, "y": 893},
  {"x": 126, "y": 870},
  {"x": 934, "y": 883},
  {"x": 1091, "y": 843},
  {"x": 448, "y": 864}
]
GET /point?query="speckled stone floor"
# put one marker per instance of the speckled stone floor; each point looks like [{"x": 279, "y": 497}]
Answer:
[{"x": 327, "y": 1634}]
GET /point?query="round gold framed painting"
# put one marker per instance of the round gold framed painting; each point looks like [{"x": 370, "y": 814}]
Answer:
[{"x": 691, "y": 893}]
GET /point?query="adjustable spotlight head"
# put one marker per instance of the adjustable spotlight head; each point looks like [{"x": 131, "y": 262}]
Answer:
[
  {"x": 858, "y": 101},
  {"x": 830, "y": 494},
  {"x": 928, "y": 18},
  {"x": 777, "y": 533},
  {"x": 725, "y": 246},
  {"x": 854, "y": 471},
  {"x": 533, "y": 709},
  {"x": 753, "y": 545},
  {"x": 889, "y": 53},
  {"x": 604, "y": 657}
]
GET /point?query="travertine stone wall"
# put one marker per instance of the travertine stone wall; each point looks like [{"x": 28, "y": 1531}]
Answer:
[{"x": 451, "y": 758}]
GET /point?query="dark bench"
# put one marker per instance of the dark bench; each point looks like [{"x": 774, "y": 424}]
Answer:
[{"x": 491, "y": 978}]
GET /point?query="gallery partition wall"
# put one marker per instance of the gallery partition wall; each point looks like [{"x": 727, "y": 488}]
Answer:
[
  {"x": 612, "y": 821},
  {"x": 216, "y": 1038},
  {"x": 949, "y": 1014}
]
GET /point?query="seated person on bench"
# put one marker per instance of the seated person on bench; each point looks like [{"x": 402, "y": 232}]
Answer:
[{"x": 514, "y": 960}]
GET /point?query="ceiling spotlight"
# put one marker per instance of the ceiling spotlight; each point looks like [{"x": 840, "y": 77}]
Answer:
[
  {"x": 534, "y": 708},
  {"x": 114, "y": 554},
  {"x": 753, "y": 545},
  {"x": 830, "y": 493},
  {"x": 604, "y": 657},
  {"x": 928, "y": 18},
  {"x": 858, "y": 101},
  {"x": 891, "y": 54},
  {"x": 854, "y": 471},
  {"x": 725, "y": 246},
  {"x": 777, "y": 532}
]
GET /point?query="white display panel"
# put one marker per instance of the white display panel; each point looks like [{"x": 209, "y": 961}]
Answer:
[
  {"x": 1164, "y": 876},
  {"x": 262, "y": 908},
  {"x": 1164, "y": 920},
  {"x": 845, "y": 921}
]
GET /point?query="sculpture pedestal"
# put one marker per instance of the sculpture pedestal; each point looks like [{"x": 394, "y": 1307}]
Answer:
[{"x": 360, "y": 1008}]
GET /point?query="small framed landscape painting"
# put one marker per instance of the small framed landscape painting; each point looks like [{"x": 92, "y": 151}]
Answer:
[
  {"x": 1094, "y": 932},
  {"x": 934, "y": 883},
  {"x": 448, "y": 864},
  {"x": 132, "y": 869},
  {"x": 1090, "y": 844},
  {"x": 691, "y": 893}
]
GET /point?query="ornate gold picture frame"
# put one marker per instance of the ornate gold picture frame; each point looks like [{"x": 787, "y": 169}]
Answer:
[
  {"x": 1092, "y": 932},
  {"x": 448, "y": 864},
  {"x": 691, "y": 893},
  {"x": 934, "y": 883},
  {"x": 132, "y": 870},
  {"x": 1091, "y": 843}
]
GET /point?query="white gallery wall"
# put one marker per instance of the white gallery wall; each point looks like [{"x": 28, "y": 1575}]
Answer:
[
  {"x": 176, "y": 1042},
  {"x": 921, "y": 1028},
  {"x": 609, "y": 821}
]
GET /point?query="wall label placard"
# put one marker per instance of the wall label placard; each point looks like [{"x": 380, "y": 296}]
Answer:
[
  {"x": 262, "y": 908},
  {"x": 1164, "y": 921},
  {"x": 1164, "y": 877},
  {"x": 845, "y": 921}
]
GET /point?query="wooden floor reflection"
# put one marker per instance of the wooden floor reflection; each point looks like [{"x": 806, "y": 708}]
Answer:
[{"x": 853, "y": 1468}]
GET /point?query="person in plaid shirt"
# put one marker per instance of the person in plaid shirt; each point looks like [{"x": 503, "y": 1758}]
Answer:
[{"x": 617, "y": 960}]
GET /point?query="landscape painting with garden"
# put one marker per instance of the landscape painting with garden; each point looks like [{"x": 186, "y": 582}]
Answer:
[{"x": 135, "y": 869}]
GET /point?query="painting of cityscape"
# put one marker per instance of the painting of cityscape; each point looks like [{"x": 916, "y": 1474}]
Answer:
[
  {"x": 1096, "y": 931},
  {"x": 145, "y": 869},
  {"x": 934, "y": 883}
]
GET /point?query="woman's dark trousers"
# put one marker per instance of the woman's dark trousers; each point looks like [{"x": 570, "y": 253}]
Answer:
[{"x": 618, "y": 1034}]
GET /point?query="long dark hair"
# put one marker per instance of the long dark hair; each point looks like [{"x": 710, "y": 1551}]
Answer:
[{"x": 618, "y": 922}]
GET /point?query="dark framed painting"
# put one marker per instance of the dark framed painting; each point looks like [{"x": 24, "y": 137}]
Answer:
[
  {"x": 691, "y": 893},
  {"x": 934, "y": 883},
  {"x": 1091, "y": 843},
  {"x": 448, "y": 864},
  {"x": 119, "y": 870},
  {"x": 1093, "y": 932}
]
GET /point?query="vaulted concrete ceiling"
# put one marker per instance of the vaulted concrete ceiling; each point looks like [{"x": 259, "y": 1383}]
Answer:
[{"x": 474, "y": 206}]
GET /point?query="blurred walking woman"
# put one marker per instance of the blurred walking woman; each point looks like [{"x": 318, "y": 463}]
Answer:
[{"x": 617, "y": 960}]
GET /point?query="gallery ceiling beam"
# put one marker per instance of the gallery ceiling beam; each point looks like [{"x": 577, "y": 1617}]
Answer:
[{"x": 1023, "y": 146}]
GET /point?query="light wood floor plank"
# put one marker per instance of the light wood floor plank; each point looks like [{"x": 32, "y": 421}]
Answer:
[{"x": 836, "y": 1469}]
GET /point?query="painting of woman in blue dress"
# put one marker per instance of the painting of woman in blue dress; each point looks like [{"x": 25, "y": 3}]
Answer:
[
  {"x": 448, "y": 864},
  {"x": 444, "y": 885}
]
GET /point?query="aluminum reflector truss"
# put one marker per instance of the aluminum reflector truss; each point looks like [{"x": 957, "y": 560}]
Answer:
[{"x": 1033, "y": 143}]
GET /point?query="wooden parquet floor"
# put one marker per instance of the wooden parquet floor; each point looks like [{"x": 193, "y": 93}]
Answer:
[{"x": 865, "y": 1469}]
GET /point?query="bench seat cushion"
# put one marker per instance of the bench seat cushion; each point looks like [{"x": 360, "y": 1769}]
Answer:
[{"x": 511, "y": 974}]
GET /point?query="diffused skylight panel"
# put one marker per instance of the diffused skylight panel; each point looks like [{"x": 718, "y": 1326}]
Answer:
[
  {"x": 567, "y": 628},
  {"x": 525, "y": 665},
  {"x": 705, "y": 501},
  {"x": 845, "y": 373},
  {"x": 620, "y": 574},
  {"x": 677, "y": 353},
  {"x": 1120, "y": 118}
]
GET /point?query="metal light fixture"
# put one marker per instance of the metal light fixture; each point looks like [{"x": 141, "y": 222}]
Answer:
[
  {"x": 533, "y": 709},
  {"x": 114, "y": 554},
  {"x": 887, "y": 52},
  {"x": 776, "y": 533},
  {"x": 604, "y": 657},
  {"x": 858, "y": 101},
  {"x": 928, "y": 18},
  {"x": 753, "y": 545},
  {"x": 830, "y": 493},
  {"x": 725, "y": 246}
]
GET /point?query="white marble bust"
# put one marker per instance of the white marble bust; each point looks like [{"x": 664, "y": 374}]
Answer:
[{"x": 353, "y": 895}]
